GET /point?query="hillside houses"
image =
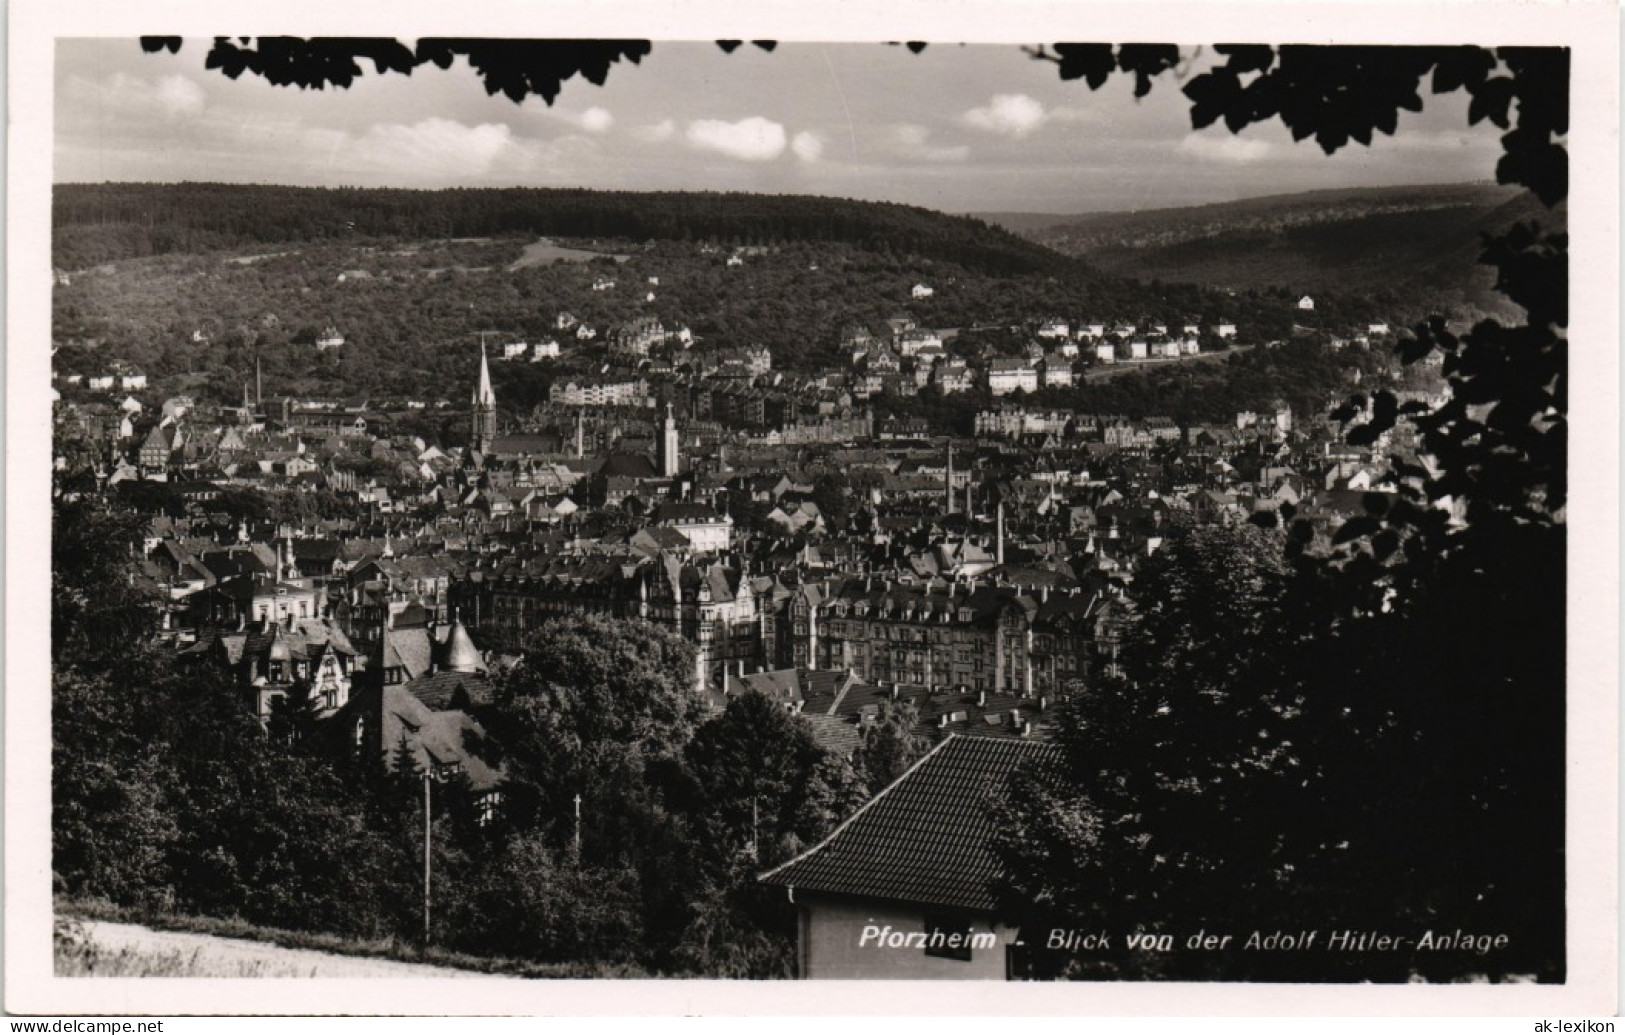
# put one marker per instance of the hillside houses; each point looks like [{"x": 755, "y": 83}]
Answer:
[{"x": 1010, "y": 374}]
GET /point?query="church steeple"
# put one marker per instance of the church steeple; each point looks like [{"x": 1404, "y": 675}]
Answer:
[{"x": 484, "y": 430}]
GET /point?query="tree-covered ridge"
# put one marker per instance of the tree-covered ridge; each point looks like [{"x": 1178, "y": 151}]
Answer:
[
  {"x": 99, "y": 223},
  {"x": 1270, "y": 211},
  {"x": 1358, "y": 240}
]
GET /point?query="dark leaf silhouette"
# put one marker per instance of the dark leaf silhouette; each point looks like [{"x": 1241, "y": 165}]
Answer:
[
  {"x": 1091, "y": 62},
  {"x": 514, "y": 68}
]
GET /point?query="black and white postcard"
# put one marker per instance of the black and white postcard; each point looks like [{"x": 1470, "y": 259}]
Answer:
[{"x": 1050, "y": 508}]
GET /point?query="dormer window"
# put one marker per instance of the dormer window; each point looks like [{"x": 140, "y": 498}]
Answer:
[
  {"x": 964, "y": 614},
  {"x": 444, "y": 771}
]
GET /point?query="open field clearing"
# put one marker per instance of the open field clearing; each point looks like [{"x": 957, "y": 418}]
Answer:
[{"x": 545, "y": 252}]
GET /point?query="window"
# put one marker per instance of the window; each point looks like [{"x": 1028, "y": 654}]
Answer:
[
  {"x": 444, "y": 771},
  {"x": 487, "y": 806}
]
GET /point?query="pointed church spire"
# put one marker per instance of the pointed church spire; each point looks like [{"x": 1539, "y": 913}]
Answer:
[
  {"x": 484, "y": 417},
  {"x": 483, "y": 395}
]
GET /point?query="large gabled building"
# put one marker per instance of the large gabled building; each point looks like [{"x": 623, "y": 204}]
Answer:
[{"x": 931, "y": 635}]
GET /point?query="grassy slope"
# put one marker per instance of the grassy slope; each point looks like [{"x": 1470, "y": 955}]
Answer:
[{"x": 75, "y": 955}]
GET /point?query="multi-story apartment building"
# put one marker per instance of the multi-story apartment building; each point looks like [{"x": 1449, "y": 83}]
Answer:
[
  {"x": 980, "y": 635},
  {"x": 712, "y": 606},
  {"x": 630, "y": 391}
]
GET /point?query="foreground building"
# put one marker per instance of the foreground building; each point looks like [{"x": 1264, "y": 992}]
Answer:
[{"x": 902, "y": 890}]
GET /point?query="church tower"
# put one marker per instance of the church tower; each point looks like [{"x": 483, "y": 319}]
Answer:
[
  {"x": 669, "y": 456},
  {"x": 484, "y": 430}
]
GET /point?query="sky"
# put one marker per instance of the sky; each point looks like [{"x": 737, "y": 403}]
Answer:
[{"x": 976, "y": 128}]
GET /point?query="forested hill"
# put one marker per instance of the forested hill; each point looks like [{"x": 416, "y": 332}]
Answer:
[
  {"x": 1418, "y": 241},
  {"x": 100, "y": 223}
]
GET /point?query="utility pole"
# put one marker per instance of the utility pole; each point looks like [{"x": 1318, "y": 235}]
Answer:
[
  {"x": 427, "y": 831},
  {"x": 578, "y": 829}
]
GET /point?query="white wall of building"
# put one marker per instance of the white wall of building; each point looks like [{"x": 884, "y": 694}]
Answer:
[{"x": 831, "y": 943}]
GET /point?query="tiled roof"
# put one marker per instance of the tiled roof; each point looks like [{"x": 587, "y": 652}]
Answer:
[
  {"x": 625, "y": 465},
  {"x": 833, "y": 734},
  {"x": 438, "y": 691},
  {"x": 685, "y": 513},
  {"x": 924, "y": 838},
  {"x": 409, "y": 649},
  {"x": 435, "y": 738},
  {"x": 782, "y": 685}
]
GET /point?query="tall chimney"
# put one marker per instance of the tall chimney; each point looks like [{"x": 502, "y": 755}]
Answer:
[
  {"x": 259, "y": 384},
  {"x": 999, "y": 556}
]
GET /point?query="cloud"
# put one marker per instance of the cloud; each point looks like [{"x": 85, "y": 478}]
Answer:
[
  {"x": 656, "y": 133},
  {"x": 807, "y": 145},
  {"x": 1095, "y": 116},
  {"x": 1232, "y": 150},
  {"x": 595, "y": 120},
  {"x": 753, "y": 140},
  {"x": 1008, "y": 114},
  {"x": 1446, "y": 141},
  {"x": 911, "y": 142},
  {"x": 431, "y": 145},
  {"x": 124, "y": 95},
  {"x": 178, "y": 95}
]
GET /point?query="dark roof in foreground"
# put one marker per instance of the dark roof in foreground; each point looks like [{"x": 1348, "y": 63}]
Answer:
[{"x": 924, "y": 838}]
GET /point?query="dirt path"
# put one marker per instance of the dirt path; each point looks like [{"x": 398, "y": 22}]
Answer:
[{"x": 202, "y": 955}]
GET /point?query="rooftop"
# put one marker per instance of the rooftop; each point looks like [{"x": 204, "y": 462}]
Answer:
[{"x": 924, "y": 838}]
